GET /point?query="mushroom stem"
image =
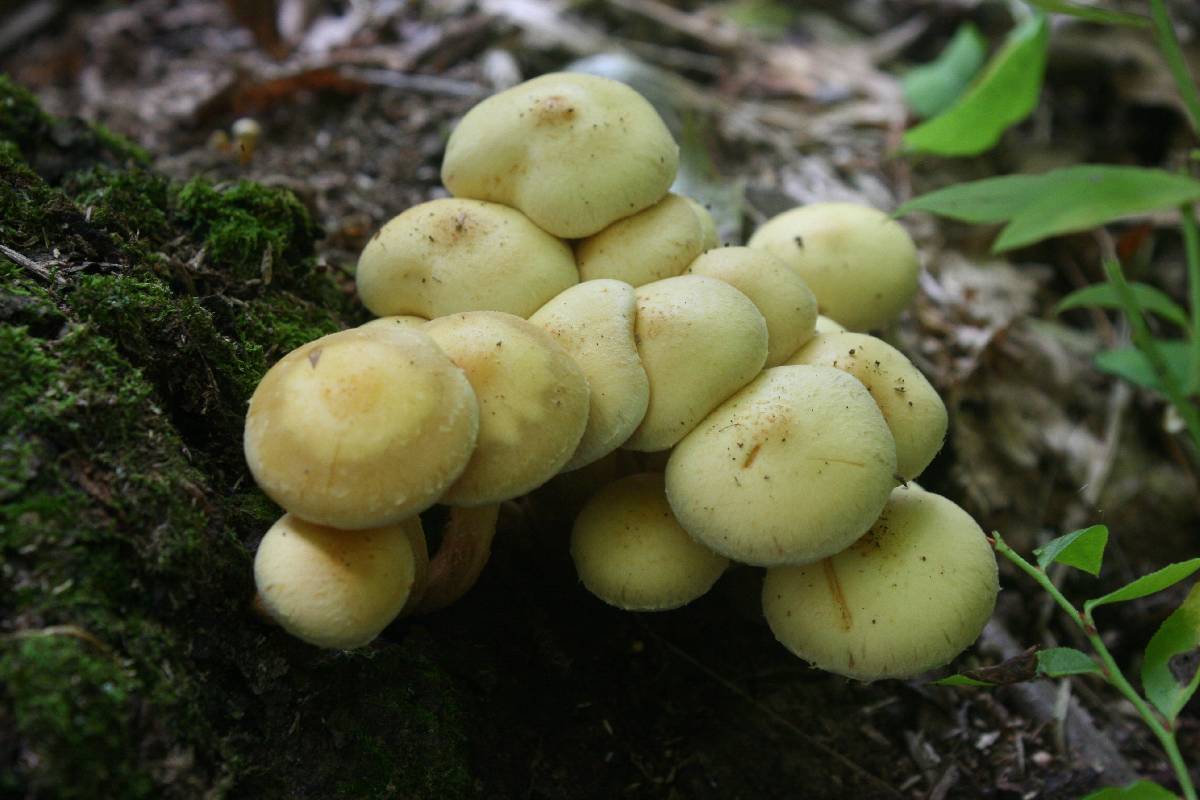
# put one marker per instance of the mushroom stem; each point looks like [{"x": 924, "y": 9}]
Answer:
[{"x": 459, "y": 560}]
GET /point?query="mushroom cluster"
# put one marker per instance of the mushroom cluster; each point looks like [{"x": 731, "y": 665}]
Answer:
[{"x": 562, "y": 305}]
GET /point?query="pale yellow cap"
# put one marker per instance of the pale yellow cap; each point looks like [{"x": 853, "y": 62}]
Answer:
[
  {"x": 453, "y": 255},
  {"x": 914, "y": 412},
  {"x": 651, "y": 245},
  {"x": 909, "y": 596},
  {"x": 533, "y": 403},
  {"x": 780, "y": 294},
  {"x": 574, "y": 152},
  {"x": 631, "y": 553},
  {"x": 860, "y": 263},
  {"x": 791, "y": 469},
  {"x": 335, "y": 588},
  {"x": 700, "y": 341},
  {"x": 594, "y": 323},
  {"x": 360, "y": 429}
]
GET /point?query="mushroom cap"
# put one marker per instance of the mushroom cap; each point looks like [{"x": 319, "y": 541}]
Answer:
[
  {"x": 909, "y": 596},
  {"x": 825, "y": 325},
  {"x": 653, "y": 244},
  {"x": 393, "y": 322},
  {"x": 594, "y": 323},
  {"x": 361, "y": 429},
  {"x": 452, "y": 255},
  {"x": 631, "y": 553},
  {"x": 700, "y": 341},
  {"x": 707, "y": 224},
  {"x": 574, "y": 152},
  {"x": 335, "y": 588},
  {"x": 914, "y": 412},
  {"x": 784, "y": 299},
  {"x": 533, "y": 403},
  {"x": 791, "y": 469},
  {"x": 860, "y": 263}
]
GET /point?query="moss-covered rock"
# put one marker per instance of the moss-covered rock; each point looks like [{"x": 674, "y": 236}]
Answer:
[{"x": 136, "y": 317}]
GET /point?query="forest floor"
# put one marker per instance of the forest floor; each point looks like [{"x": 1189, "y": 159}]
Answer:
[{"x": 142, "y": 294}]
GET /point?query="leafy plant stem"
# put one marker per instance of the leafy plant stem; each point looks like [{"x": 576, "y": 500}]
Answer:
[
  {"x": 1173, "y": 54},
  {"x": 1191, "y": 243},
  {"x": 1112, "y": 673},
  {"x": 1144, "y": 341}
]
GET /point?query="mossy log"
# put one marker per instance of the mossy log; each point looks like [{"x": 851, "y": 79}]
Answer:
[{"x": 136, "y": 317}]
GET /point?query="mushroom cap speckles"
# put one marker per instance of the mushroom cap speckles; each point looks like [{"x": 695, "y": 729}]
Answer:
[
  {"x": 653, "y": 244},
  {"x": 574, "y": 153},
  {"x": 360, "y": 429},
  {"x": 594, "y": 323},
  {"x": 909, "y": 596},
  {"x": 336, "y": 588},
  {"x": 784, "y": 299},
  {"x": 700, "y": 340},
  {"x": 791, "y": 469},
  {"x": 533, "y": 403},
  {"x": 859, "y": 262},
  {"x": 453, "y": 255},
  {"x": 631, "y": 553},
  {"x": 914, "y": 412}
]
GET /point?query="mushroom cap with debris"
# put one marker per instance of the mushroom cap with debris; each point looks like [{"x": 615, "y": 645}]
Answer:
[
  {"x": 361, "y": 428},
  {"x": 573, "y": 152},
  {"x": 907, "y": 597}
]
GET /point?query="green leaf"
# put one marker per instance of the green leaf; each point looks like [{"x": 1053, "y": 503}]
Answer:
[
  {"x": 1168, "y": 688},
  {"x": 932, "y": 88},
  {"x": 1005, "y": 94},
  {"x": 1132, "y": 365},
  {"x": 1037, "y": 207},
  {"x": 1085, "y": 197},
  {"x": 1057, "y": 662},
  {"x": 1142, "y": 790},
  {"x": 1104, "y": 295},
  {"x": 1083, "y": 549},
  {"x": 1091, "y": 13},
  {"x": 1147, "y": 584},
  {"x": 961, "y": 680}
]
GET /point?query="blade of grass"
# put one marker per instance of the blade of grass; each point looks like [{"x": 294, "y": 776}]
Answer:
[
  {"x": 1191, "y": 244},
  {"x": 1173, "y": 53}
]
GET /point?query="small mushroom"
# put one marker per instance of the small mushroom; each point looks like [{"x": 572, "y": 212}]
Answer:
[
  {"x": 453, "y": 255},
  {"x": 791, "y": 469},
  {"x": 631, "y": 553},
  {"x": 859, "y": 262},
  {"x": 246, "y": 135},
  {"x": 533, "y": 403},
  {"x": 573, "y": 152},
  {"x": 360, "y": 429},
  {"x": 914, "y": 412},
  {"x": 781, "y": 295},
  {"x": 907, "y": 597},
  {"x": 336, "y": 588},
  {"x": 594, "y": 323},
  {"x": 700, "y": 341},
  {"x": 651, "y": 245}
]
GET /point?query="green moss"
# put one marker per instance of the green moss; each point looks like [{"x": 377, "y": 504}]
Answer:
[
  {"x": 130, "y": 662},
  {"x": 21, "y": 118},
  {"x": 56, "y": 147},
  {"x": 252, "y": 231},
  {"x": 71, "y": 699},
  {"x": 129, "y": 204}
]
